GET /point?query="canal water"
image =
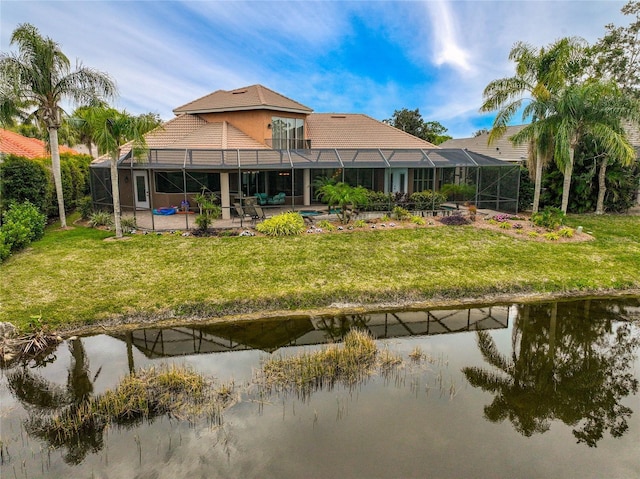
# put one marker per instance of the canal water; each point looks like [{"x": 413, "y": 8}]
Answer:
[{"x": 519, "y": 391}]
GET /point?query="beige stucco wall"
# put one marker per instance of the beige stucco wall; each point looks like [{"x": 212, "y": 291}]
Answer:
[{"x": 254, "y": 123}]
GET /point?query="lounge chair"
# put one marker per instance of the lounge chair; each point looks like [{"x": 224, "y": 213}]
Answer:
[
  {"x": 260, "y": 214},
  {"x": 241, "y": 214}
]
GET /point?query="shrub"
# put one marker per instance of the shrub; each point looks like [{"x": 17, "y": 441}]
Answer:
[
  {"x": 128, "y": 223},
  {"x": 325, "y": 225},
  {"x": 566, "y": 232},
  {"x": 454, "y": 220},
  {"x": 100, "y": 218},
  {"x": 505, "y": 225},
  {"x": 552, "y": 236},
  {"x": 550, "y": 218},
  {"x": 23, "y": 180},
  {"x": 533, "y": 234},
  {"x": 378, "y": 201},
  {"x": 427, "y": 200},
  {"x": 418, "y": 220},
  {"x": 400, "y": 213},
  {"x": 21, "y": 224},
  {"x": 85, "y": 205},
  {"x": 5, "y": 248},
  {"x": 285, "y": 224},
  {"x": 359, "y": 224}
]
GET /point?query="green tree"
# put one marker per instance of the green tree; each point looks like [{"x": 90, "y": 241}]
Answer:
[
  {"x": 345, "y": 196},
  {"x": 592, "y": 108},
  {"x": 411, "y": 121},
  {"x": 616, "y": 56},
  {"x": 540, "y": 73},
  {"x": 111, "y": 130},
  {"x": 39, "y": 76}
]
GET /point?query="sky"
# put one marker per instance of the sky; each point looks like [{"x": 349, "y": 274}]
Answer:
[{"x": 371, "y": 57}]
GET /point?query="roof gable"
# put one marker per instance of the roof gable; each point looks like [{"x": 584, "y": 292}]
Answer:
[
  {"x": 353, "y": 130},
  {"x": 12, "y": 143},
  {"x": 254, "y": 97}
]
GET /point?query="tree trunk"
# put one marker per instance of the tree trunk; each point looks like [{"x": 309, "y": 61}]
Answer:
[
  {"x": 57, "y": 174},
  {"x": 566, "y": 186},
  {"x": 115, "y": 191},
  {"x": 538, "y": 184},
  {"x": 602, "y": 186}
]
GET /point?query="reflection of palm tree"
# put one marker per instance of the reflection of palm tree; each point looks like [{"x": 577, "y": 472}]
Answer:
[
  {"x": 41, "y": 398},
  {"x": 574, "y": 370}
]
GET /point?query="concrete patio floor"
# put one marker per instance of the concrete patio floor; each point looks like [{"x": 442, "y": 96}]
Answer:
[{"x": 145, "y": 220}]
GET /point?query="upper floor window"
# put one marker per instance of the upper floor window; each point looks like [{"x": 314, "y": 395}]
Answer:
[{"x": 287, "y": 133}]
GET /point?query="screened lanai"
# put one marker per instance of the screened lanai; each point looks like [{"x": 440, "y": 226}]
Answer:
[{"x": 166, "y": 177}]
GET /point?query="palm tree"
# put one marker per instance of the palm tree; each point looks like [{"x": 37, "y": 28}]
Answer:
[
  {"x": 345, "y": 196},
  {"x": 39, "y": 76},
  {"x": 111, "y": 130},
  {"x": 539, "y": 74},
  {"x": 591, "y": 108}
]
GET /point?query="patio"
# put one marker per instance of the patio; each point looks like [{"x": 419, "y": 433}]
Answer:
[{"x": 180, "y": 221}]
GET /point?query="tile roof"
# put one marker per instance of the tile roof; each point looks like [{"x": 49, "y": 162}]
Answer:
[
  {"x": 219, "y": 135},
  {"x": 12, "y": 143},
  {"x": 332, "y": 130},
  {"x": 254, "y": 97},
  {"x": 501, "y": 149},
  {"x": 192, "y": 132}
]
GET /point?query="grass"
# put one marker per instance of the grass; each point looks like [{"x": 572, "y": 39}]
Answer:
[
  {"x": 173, "y": 390},
  {"x": 347, "y": 364},
  {"x": 74, "y": 277}
]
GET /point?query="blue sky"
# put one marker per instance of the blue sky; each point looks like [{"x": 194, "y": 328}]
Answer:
[{"x": 370, "y": 57}]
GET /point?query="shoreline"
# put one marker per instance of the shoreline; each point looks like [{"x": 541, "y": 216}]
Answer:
[{"x": 139, "y": 321}]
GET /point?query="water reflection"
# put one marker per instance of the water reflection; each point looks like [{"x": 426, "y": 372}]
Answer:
[
  {"x": 569, "y": 363},
  {"x": 42, "y": 398},
  {"x": 272, "y": 334},
  {"x": 559, "y": 362}
]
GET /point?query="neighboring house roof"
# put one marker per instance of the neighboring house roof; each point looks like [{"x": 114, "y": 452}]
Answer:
[
  {"x": 254, "y": 97},
  {"x": 501, "y": 148},
  {"x": 333, "y": 130},
  {"x": 12, "y": 143}
]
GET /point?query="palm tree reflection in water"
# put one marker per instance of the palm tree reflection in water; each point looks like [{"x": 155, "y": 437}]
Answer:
[{"x": 570, "y": 362}]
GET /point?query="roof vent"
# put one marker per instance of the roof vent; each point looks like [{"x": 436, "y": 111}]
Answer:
[
  {"x": 237, "y": 92},
  {"x": 338, "y": 116}
]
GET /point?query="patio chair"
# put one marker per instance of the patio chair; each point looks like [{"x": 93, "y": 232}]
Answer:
[
  {"x": 241, "y": 214},
  {"x": 260, "y": 214}
]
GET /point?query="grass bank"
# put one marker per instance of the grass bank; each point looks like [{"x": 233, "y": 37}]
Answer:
[{"x": 75, "y": 277}]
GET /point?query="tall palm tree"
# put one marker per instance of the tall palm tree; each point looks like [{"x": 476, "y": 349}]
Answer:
[
  {"x": 539, "y": 74},
  {"x": 111, "y": 130},
  {"x": 38, "y": 77},
  {"x": 591, "y": 108}
]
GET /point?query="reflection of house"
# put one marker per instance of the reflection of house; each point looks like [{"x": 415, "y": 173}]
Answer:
[
  {"x": 12, "y": 143},
  {"x": 253, "y": 140},
  {"x": 272, "y": 334}
]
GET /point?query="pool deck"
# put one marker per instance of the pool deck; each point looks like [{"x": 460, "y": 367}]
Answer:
[{"x": 183, "y": 222}]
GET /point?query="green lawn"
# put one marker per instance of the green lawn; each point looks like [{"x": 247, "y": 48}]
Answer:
[{"x": 75, "y": 277}]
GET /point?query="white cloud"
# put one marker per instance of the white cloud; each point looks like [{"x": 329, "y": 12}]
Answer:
[{"x": 446, "y": 37}]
